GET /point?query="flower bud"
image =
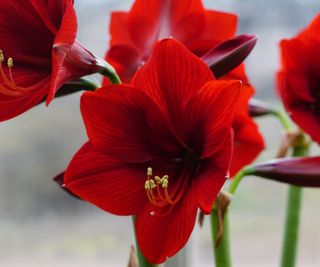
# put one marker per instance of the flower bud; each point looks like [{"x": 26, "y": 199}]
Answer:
[{"x": 302, "y": 171}]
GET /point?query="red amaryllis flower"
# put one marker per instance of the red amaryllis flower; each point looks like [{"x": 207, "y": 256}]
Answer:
[
  {"x": 37, "y": 39},
  {"x": 134, "y": 33},
  {"x": 159, "y": 148},
  {"x": 299, "y": 78}
]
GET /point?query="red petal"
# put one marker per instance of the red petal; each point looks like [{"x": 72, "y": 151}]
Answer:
[
  {"x": 125, "y": 59},
  {"x": 210, "y": 115},
  {"x": 212, "y": 175},
  {"x": 11, "y": 107},
  {"x": 313, "y": 30},
  {"x": 119, "y": 29},
  {"x": 248, "y": 140},
  {"x": 220, "y": 26},
  {"x": 171, "y": 77},
  {"x": 159, "y": 236},
  {"x": 150, "y": 21},
  {"x": 188, "y": 19},
  {"x": 105, "y": 182},
  {"x": 126, "y": 124}
]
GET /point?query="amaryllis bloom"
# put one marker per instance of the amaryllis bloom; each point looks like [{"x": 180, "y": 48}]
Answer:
[
  {"x": 134, "y": 33},
  {"x": 299, "y": 78},
  {"x": 159, "y": 148},
  {"x": 38, "y": 45}
]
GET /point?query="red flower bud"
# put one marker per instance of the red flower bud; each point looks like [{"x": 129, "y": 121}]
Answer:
[{"x": 304, "y": 171}]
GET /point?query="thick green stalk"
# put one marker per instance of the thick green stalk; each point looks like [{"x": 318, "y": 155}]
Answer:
[
  {"x": 222, "y": 254},
  {"x": 292, "y": 222},
  {"x": 143, "y": 262}
]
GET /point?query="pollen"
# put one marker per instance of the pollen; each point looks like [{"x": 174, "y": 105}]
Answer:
[
  {"x": 1, "y": 56},
  {"x": 157, "y": 189},
  {"x": 10, "y": 62}
]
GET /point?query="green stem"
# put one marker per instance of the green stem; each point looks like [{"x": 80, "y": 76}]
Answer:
[
  {"x": 222, "y": 253},
  {"x": 283, "y": 119},
  {"x": 238, "y": 178},
  {"x": 143, "y": 262},
  {"x": 292, "y": 222},
  {"x": 108, "y": 71}
]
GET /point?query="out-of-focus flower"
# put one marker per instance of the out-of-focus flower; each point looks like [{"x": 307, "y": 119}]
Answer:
[
  {"x": 299, "y": 78},
  {"x": 134, "y": 33},
  {"x": 159, "y": 148},
  {"x": 302, "y": 171},
  {"x": 37, "y": 40}
]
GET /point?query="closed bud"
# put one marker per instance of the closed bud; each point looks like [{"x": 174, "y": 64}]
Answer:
[{"x": 303, "y": 171}]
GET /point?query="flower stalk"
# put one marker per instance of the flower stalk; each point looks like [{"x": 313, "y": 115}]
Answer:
[
  {"x": 292, "y": 222},
  {"x": 143, "y": 262},
  {"x": 222, "y": 253}
]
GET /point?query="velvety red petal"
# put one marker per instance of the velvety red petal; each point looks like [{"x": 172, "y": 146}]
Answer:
[
  {"x": 171, "y": 77},
  {"x": 143, "y": 22},
  {"x": 162, "y": 236},
  {"x": 125, "y": 59},
  {"x": 63, "y": 42},
  {"x": 313, "y": 30},
  {"x": 188, "y": 19},
  {"x": 107, "y": 183},
  {"x": 119, "y": 29},
  {"x": 126, "y": 124},
  {"x": 220, "y": 26},
  {"x": 11, "y": 107},
  {"x": 212, "y": 175},
  {"x": 21, "y": 43},
  {"x": 209, "y": 115},
  {"x": 248, "y": 141},
  {"x": 150, "y": 21}
]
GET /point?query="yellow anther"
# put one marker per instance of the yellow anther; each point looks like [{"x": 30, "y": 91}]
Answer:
[
  {"x": 1, "y": 56},
  {"x": 147, "y": 185},
  {"x": 165, "y": 183},
  {"x": 152, "y": 184},
  {"x": 149, "y": 171},
  {"x": 10, "y": 62},
  {"x": 158, "y": 180}
]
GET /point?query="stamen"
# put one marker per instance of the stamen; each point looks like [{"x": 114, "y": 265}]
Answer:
[
  {"x": 9, "y": 87},
  {"x": 162, "y": 198}
]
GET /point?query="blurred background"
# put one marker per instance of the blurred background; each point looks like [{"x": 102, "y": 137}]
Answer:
[{"x": 40, "y": 225}]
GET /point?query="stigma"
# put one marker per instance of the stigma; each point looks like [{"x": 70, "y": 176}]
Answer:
[{"x": 157, "y": 189}]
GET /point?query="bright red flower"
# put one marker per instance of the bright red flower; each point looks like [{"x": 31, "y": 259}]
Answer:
[
  {"x": 299, "y": 78},
  {"x": 134, "y": 33},
  {"x": 38, "y": 38},
  {"x": 174, "y": 118}
]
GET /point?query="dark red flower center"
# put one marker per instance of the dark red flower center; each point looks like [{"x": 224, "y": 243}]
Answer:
[{"x": 157, "y": 187}]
